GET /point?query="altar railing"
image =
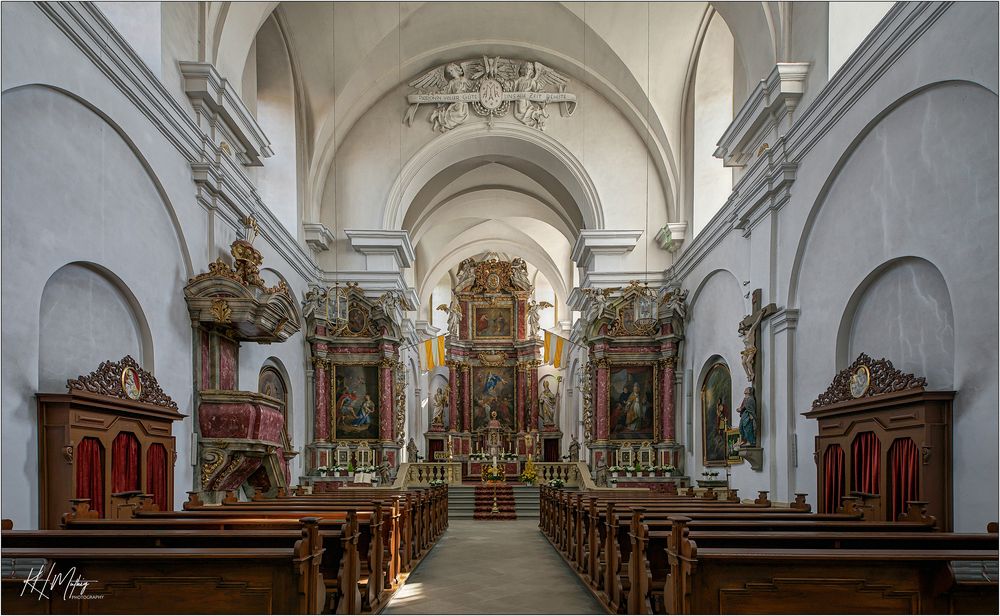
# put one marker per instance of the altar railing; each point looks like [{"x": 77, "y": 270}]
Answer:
[
  {"x": 568, "y": 472},
  {"x": 416, "y": 474}
]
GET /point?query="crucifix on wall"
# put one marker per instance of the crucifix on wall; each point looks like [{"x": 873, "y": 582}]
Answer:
[{"x": 749, "y": 331}]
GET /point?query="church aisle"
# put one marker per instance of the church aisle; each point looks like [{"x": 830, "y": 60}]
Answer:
[{"x": 485, "y": 567}]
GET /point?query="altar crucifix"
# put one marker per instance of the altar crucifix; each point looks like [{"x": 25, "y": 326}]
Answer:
[{"x": 749, "y": 331}]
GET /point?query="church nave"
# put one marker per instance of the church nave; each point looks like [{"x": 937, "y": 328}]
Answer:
[{"x": 493, "y": 567}]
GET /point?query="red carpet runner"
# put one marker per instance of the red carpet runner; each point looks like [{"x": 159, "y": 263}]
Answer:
[{"x": 484, "y": 503}]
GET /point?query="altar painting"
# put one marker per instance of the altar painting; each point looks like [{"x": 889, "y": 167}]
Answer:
[
  {"x": 493, "y": 322},
  {"x": 631, "y": 402},
  {"x": 493, "y": 390},
  {"x": 716, "y": 414},
  {"x": 356, "y": 402}
]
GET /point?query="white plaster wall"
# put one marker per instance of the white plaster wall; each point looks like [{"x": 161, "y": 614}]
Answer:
[
  {"x": 73, "y": 190},
  {"x": 713, "y": 111},
  {"x": 850, "y": 23},
  {"x": 139, "y": 23},
  {"x": 941, "y": 177},
  {"x": 85, "y": 319}
]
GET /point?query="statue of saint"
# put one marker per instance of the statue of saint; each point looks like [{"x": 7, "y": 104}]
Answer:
[
  {"x": 749, "y": 353},
  {"x": 547, "y": 402},
  {"x": 440, "y": 405},
  {"x": 411, "y": 451},
  {"x": 748, "y": 418},
  {"x": 574, "y": 450}
]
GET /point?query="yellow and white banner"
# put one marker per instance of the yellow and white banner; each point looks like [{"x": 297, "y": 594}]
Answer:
[
  {"x": 556, "y": 350},
  {"x": 433, "y": 353}
]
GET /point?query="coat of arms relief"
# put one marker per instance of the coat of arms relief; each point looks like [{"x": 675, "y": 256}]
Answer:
[{"x": 490, "y": 87}]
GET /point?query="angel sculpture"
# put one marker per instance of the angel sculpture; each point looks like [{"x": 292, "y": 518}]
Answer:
[
  {"x": 454, "y": 311},
  {"x": 451, "y": 79},
  {"x": 675, "y": 298},
  {"x": 535, "y": 77},
  {"x": 466, "y": 274},
  {"x": 519, "y": 273},
  {"x": 534, "y": 320},
  {"x": 600, "y": 300}
]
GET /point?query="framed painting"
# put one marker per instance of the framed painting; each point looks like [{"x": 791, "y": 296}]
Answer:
[
  {"x": 493, "y": 390},
  {"x": 493, "y": 322},
  {"x": 356, "y": 402},
  {"x": 733, "y": 446},
  {"x": 632, "y": 402},
  {"x": 716, "y": 413}
]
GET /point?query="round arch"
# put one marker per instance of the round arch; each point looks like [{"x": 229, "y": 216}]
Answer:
[{"x": 470, "y": 141}]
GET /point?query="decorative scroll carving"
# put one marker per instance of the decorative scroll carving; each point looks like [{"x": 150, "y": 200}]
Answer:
[
  {"x": 883, "y": 379},
  {"x": 221, "y": 311},
  {"x": 107, "y": 381},
  {"x": 588, "y": 410},
  {"x": 491, "y": 87},
  {"x": 492, "y": 359}
]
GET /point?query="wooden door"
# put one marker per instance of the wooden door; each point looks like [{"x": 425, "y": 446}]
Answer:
[{"x": 550, "y": 451}]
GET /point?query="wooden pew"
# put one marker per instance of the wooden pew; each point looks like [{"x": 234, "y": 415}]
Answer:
[
  {"x": 126, "y": 574},
  {"x": 799, "y": 577}
]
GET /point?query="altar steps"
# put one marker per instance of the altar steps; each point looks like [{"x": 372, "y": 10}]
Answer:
[{"x": 462, "y": 502}]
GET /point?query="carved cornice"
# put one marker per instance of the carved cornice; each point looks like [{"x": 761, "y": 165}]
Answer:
[
  {"x": 883, "y": 379},
  {"x": 492, "y": 359},
  {"x": 108, "y": 380}
]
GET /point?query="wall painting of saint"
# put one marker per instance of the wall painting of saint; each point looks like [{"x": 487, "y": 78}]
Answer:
[
  {"x": 493, "y": 390},
  {"x": 356, "y": 402},
  {"x": 716, "y": 414},
  {"x": 631, "y": 403}
]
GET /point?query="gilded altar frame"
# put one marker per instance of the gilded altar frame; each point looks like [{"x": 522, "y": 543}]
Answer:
[
  {"x": 507, "y": 306},
  {"x": 654, "y": 368}
]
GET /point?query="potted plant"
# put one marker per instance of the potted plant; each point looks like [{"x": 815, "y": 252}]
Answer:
[
  {"x": 322, "y": 470},
  {"x": 557, "y": 483},
  {"x": 614, "y": 470},
  {"x": 528, "y": 475}
]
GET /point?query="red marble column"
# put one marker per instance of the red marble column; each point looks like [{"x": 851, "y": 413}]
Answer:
[
  {"x": 385, "y": 407},
  {"x": 521, "y": 397},
  {"x": 452, "y": 397},
  {"x": 669, "y": 412},
  {"x": 467, "y": 394},
  {"x": 533, "y": 396},
  {"x": 321, "y": 379},
  {"x": 601, "y": 399}
]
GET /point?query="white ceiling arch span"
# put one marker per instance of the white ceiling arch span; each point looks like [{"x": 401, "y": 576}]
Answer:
[
  {"x": 509, "y": 141},
  {"x": 484, "y": 202}
]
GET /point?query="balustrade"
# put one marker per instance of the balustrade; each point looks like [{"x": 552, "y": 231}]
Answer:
[{"x": 423, "y": 473}]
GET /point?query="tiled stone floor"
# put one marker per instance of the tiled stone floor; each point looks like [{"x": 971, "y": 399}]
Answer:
[{"x": 493, "y": 567}]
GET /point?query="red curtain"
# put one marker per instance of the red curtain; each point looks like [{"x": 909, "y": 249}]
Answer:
[
  {"x": 833, "y": 478},
  {"x": 156, "y": 474},
  {"x": 865, "y": 455},
  {"x": 125, "y": 463},
  {"x": 904, "y": 475},
  {"x": 90, "y": 473}
]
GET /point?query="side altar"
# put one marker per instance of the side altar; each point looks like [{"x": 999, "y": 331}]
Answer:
[
  {"x": 634, "y": 337},
  {"x": 493, "y": 352},
  {"x": 357, "y": 380}
]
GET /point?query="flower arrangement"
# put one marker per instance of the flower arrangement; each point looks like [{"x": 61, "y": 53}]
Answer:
[
  {"x": 529, "y": 475},
  {"x": 364, "y": 469},
  {"x": 615, "y": 469},
  {"x": 436, "y": 483},
  {"x": 322, "y": 470},
  {"x": 508, "y": 456},
  {"x": 479, "y": 455},
  {"x": 557, "y": 483},
  {"x": 710, "y": 474}
]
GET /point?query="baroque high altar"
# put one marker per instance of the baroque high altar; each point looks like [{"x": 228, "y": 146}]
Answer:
[{"x": 492, "y": 359}]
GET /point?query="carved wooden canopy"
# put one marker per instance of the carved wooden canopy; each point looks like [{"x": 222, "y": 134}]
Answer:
[
  {"x": 110, "y": 379},
  {"x": 882, "y": 377},
  {"x": 492, "y": 276},
  {"x": 238, "y": 299},
  {"x": 367, "y": 317}
]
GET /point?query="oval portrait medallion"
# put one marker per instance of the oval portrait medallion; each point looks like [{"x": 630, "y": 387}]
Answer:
[
  {"x": 130, "y": 383},
  {"x": 493, "y": 281},
  {"x": 490, "y": 93},
  {"x": 860, "y": 381}
]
